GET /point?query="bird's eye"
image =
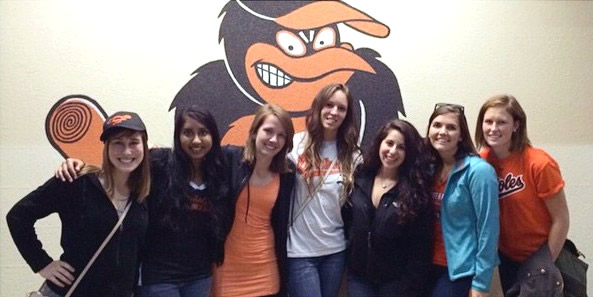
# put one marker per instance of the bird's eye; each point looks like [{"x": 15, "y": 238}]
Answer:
[
  {"x": 291, "y": 44},
  {"x": 324, "y": 39}
]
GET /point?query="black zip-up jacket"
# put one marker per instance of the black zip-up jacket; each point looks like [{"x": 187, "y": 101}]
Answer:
[
  {"x": 239, "y": 173},
  {"x": 87, "y": 217},
  {"x": 380, "y": 248}
]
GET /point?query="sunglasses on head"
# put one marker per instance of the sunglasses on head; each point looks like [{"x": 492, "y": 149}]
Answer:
[{"x": 455, "y": 106}]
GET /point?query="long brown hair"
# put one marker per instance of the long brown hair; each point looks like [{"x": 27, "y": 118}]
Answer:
[
  {"x": 139, "y": 179},
  {"x": 346, "y": 141},
  {"x": 279, "y": 162}
]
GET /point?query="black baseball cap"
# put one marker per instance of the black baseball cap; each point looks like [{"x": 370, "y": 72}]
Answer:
[{"x": 122, "y": 120}]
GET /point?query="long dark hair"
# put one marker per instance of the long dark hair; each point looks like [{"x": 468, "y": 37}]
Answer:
[
  {"x": 464, "y": 148},
  {"x": 176, "y": 208},
  {"x": 413, "y": 178}
]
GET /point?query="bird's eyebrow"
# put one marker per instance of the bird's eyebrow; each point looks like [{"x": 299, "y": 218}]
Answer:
[{"x": 302, "y": 35}]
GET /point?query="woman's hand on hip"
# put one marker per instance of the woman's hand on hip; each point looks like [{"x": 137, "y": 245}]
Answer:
[{"x": 59, "y": 273}]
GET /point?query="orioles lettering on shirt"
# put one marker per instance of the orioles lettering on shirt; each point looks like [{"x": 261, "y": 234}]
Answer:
[{"x": 510, "y": 184}]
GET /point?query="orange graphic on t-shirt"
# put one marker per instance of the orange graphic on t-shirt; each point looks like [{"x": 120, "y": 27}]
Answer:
[
  {"x": 199, "y": 204},
  {"x": 303, "y": 165}
]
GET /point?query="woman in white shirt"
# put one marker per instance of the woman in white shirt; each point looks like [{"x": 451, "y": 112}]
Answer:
[{"x": 325, "y": 155}]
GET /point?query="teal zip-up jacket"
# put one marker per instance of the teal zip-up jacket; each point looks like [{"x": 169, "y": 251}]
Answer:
[{"x": 469, "y": 221}]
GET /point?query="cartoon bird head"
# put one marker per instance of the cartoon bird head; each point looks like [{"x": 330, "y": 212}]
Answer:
[{"x": 287, "y": 52}]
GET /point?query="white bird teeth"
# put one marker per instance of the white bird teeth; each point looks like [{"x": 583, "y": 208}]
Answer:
[{"x": 272, "y": 76}]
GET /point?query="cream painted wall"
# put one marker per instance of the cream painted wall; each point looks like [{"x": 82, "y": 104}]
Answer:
[{"x": 136, "y": 55}]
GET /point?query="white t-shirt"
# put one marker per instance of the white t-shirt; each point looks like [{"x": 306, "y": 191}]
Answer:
[{"x": 319, "y": 229}]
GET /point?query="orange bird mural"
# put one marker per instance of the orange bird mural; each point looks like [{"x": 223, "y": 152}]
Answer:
[{"x": 280, "y": 52}]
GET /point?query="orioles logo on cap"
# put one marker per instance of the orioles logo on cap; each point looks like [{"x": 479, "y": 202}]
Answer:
[{"x": 116, "y": 120}]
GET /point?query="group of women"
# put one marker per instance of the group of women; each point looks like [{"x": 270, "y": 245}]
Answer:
[{"x": 288, "y": 213}]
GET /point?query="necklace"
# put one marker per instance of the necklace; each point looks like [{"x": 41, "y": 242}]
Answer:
[{"x": 385, "y": 185}]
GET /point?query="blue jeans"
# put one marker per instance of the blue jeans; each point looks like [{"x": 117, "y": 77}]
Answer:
[
  {"x": 197, "y": 288},
  {"x": 444, "y": 287},
  {"x": 358, "y": 287},
  {"x": 316, "y": 276}
]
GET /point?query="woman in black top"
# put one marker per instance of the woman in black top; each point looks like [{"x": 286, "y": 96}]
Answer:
[
  {"x": 389, "y": 218},
  {"x": 188, "y": 217},
  {"x": 89, "y": 208},
  {"x": 187, "y": 212}
]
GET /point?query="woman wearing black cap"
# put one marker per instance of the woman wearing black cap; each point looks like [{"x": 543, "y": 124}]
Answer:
[
  {"x": 188, "y": 215},
  {"x": 89, "y": 209}
]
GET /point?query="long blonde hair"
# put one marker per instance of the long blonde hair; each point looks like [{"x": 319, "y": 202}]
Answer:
[{"x": 139, "y": 180}]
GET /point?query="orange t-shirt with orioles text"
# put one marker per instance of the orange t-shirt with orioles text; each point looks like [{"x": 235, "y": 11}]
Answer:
[{"x": 526, "y": 179}]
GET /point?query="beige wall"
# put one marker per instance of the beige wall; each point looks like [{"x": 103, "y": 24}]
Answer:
[{"x": 135, "y": 55}]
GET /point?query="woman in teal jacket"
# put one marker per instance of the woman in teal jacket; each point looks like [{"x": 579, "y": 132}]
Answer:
[{"x": 465, "y": 196}]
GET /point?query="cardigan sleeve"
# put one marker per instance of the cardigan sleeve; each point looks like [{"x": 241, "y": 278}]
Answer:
[
  {"x": 22, "y": 217},
  {"x": 484, "y": 194}
]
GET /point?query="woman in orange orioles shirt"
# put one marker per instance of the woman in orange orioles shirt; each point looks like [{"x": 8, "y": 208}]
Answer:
[{"x": 533, "y": 209}]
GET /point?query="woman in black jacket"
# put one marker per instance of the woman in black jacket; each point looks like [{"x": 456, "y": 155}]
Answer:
[
  {"x": 89, "y": 208},
  {"x": 188, "y": 210},
  {"x": 389, "y": 218}
]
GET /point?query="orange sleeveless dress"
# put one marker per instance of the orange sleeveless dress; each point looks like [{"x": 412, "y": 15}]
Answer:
[{"x": 250, "y": 267}]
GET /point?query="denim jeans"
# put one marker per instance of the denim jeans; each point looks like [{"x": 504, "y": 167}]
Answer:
[
  {"x": 507, "y": 270},
  {"x": 444, "y": 287},
  {"x": 197, "y": 288},
  {"x": 358, "y": 287},
  {"x": 45, "y": 290},
  {"x": 316, "y": 276}
]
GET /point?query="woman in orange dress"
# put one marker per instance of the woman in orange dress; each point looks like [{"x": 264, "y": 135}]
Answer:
[{"x": 261, "y": 184}]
